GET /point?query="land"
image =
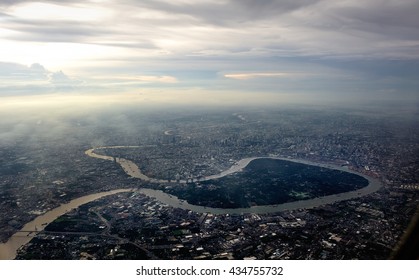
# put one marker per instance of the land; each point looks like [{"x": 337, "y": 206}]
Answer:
[
  {"x": 134, "y": 226},
  {"x": 40, "y": 170},
  {"x": 268, "y": 182}
]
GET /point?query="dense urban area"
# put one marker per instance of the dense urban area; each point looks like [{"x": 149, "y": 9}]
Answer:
[{"x": 45, "y": 165}]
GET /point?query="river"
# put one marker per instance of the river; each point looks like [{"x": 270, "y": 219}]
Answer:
[
  {"x": 171, "y": 200},
  {"x": 132, "y": 170},
  {"x": 9, "y": 249}
]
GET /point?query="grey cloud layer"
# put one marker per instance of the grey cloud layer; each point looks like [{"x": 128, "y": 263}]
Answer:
[
  {"x": 15, "y": 2},
  {"x": 57, "y": 31},
  {"x": 196, "y": 43},
  {"x": 325, "y": 28},
  {"x": 228, "y": 13}
]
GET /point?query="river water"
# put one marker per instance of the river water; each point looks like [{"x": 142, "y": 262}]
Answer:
[
  {"x": 132, "y": 170},
  {"x": 9, "y": 249},
  {"x": 171, "y": 200}
]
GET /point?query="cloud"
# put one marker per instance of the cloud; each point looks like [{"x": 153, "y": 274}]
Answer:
[
  {"x": 228, "y": 13},
  {"x": 142, "y": 78},
  {"x": 160, "y": 79},
  {"x": 246, "y": 76},
  {"x": 320, "y": 28},
  {"x": 33, "y": 79},
  {"x": 132, "y": 81},
  {"x": 16, "y": 2},
  {"x": 45, "y": 31},
  {"x": 127, "y": 45},
  {"x": 39, "y": 10},
  {"x": 63, "y": 83}
]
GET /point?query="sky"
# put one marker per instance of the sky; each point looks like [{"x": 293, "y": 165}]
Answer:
[{"x": 211, "y": 51}]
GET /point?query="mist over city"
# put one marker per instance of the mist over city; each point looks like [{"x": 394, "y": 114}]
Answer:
[{"x": 208, "y": 129}]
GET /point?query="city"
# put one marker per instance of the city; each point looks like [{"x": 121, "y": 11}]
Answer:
[
  {"x": 156, "y": 137},
  {"x": 180, "y": 146}
]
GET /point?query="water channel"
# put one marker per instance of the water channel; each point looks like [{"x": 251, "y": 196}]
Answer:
[{"x": 8, "y": 250}]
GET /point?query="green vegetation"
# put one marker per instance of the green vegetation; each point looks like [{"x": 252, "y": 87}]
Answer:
[{"x": 270, "y": 181}]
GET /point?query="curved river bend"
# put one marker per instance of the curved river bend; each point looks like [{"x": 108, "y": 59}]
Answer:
[
  {"x": 132, "y": 170},
  {"x": 9, "y": 249}
]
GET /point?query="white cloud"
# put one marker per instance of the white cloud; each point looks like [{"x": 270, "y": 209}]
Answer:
[
  {"x": 127, "y": 44},
  {"x": 160, "y": 79},
  {"x": 136, "y": 79},
  {"x": 50, "y": 11},
  {"x": 34, "y": 79},
  {"x": 320, "y": 28},
  {"x": 246, "y": 76}
]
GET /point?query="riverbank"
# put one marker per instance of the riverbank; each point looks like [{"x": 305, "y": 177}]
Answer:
[
  {"x": 132, "y": 170},
  {"x": 9, "y": 249}
]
